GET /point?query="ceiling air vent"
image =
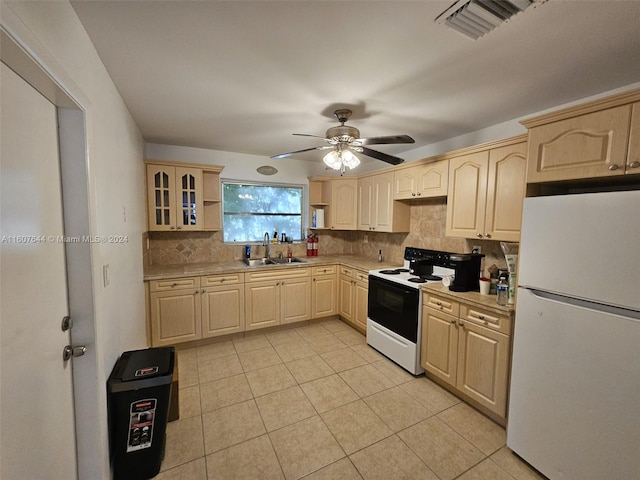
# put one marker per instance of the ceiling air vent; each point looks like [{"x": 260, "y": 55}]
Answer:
[{"x": 474, "y": 18}]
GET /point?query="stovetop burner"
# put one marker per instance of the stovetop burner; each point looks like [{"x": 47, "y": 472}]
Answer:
[
  {"x": 417, "y": 280},
  {"x": 396, "y": 271}
]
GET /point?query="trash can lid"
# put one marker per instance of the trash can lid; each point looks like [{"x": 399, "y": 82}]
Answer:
[{"x": 148, "y": 363}]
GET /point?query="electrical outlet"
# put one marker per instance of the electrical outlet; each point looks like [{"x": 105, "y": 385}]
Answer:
[
  {"x": 365, "y": 238},
  {"x": 476, "y": 249}
]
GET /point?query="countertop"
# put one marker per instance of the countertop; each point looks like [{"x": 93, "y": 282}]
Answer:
[
  {"x": 475, "y": 298},
  {"x": 163, "y": 272}
]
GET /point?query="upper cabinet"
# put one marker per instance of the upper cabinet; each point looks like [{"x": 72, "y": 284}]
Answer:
[
  {"x": 422, "y": 181},
  {"x": 598, "y": 139},
  {"x": 342, "y": 213},
  {"x": 377, "y": 210},
  {"x": 486, "y": 192},
  {"x": 183, "y": 197}
]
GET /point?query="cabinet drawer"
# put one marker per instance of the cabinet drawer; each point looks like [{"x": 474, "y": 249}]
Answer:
[
  {"x": 226, "y": 279},
  {"x": 268, "y": 274},
  {"x": 348, "y": 272},
  {"x": 486, "y": 318},
  {"x": 324, "y": 270},
  {"x": 174, "y": 284},
  {"x": 362, "y": 276},
  {"x": 441, "y": 304}
]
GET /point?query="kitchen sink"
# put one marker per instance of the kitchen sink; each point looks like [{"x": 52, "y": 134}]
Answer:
[
  {"x": 258, "y": 262},
  {"x": 285, "y": 260}
]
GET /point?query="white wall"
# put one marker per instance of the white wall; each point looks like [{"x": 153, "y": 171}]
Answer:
[{"x": 52, "y": 33}]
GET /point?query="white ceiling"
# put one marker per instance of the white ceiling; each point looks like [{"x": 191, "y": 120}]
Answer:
[{"x": 242, "y": 76}]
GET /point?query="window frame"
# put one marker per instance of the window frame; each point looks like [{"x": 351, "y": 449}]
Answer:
[{"x": 303, "y": 207}]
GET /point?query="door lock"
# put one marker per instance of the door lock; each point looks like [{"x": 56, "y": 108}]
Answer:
[{"x": 77, "y": 351}]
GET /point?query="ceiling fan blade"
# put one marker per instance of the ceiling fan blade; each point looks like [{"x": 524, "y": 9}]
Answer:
[
  {"x": 386, "y": 140},
  {"x": 307, "y": 135},
  {"x": 283, "y": 155},
  {"x": 382, "y": 156}
]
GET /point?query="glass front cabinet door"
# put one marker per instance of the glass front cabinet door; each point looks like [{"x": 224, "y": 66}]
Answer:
[{"x": 174, "y": 198}]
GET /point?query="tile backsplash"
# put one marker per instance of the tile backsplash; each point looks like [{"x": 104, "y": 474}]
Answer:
[{"x": 427, "y": 230}]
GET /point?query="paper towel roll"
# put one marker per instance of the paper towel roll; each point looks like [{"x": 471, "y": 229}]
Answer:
[{"x": 319, "y": 218}]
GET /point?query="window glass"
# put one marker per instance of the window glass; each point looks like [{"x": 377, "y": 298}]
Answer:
[{"x": 250, "y": 210}]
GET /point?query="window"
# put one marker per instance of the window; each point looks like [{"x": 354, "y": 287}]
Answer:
[{"x": 250, "y": 210}]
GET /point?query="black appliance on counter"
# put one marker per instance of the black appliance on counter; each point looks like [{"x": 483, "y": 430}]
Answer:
[{"x": 467, "y": 274}]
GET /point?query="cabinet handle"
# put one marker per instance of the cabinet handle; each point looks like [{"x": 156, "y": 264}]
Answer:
[
  {"x": 479, "y": 235},
  {"x": 314, "y": 279},
  {"x": 222, "y": 280},
  {"x": 172, "y": 227},
  {"x": 413, "y": 194},
  {"x": 481, "y": 317},
  {"x": 453, "y": 322},
  {"x": 488, "y": 235},
  {"x": 613, "y": 167},
  {"x": 202, "y": 291},
  {"x": 197, "y": 292},
  {"x": 439, "y": 304},
  {"x": 634, "y": 165},
  {"x": 174, "y": 284},
  {"x": 179, "y": 227},
  {"x": 461, "y": 323}
]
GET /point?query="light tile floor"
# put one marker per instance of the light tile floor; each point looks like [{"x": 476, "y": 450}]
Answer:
[{"x": 316, "y": 402}]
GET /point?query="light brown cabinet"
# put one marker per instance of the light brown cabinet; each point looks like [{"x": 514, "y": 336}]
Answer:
[
  {"x": 277, "y": 297},
  {"x": 222, "y": 304},
  {"x": 342, "y": 213},
  {"x": 422, "y": 181},
  {"x": 191, "y": 308},
  {"x": 377, "y": 210},
  {"x": 183, "y": 197},
  {"x": 324, "y": 291},
  {"x": 486, "y": 192},
  {"x": 353, "y": 296},
  {"x": 599, "y": 139},
  {"x": 468, "y": 348},
  {"x": 175, "y": 311}
]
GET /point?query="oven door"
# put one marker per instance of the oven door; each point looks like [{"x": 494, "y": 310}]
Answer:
[{"x": 394, "y": 306}]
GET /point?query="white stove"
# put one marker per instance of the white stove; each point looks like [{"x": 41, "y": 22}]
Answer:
[
  {"x": 403, "y": 275},
  {"x": 394, "y": 315}
]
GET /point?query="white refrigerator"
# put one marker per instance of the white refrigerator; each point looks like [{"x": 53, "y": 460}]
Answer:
[{"x": 574, "y": 408}]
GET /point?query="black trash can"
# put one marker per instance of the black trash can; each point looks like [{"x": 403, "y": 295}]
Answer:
[{"x": 139, "y": 392}]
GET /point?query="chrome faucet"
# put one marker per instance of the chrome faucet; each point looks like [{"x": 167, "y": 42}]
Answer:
[{"x": 267, "y": 245}]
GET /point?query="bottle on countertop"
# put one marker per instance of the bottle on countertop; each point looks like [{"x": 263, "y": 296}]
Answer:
[
  {"x": 501, "y": 291},
  {"x": 380, "y": 255},
  {"x": 275, "y": 236}
]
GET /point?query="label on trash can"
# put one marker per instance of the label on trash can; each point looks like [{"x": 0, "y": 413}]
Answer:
[
  {"x": 141, "y": 419},
  {"x": 142, "y": 372}
]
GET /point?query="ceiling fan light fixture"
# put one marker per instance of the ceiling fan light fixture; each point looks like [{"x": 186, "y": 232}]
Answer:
[{"x": 339, "y": 159}]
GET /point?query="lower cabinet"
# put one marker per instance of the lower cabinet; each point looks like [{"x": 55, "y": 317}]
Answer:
[
  {"x": 222, "y": 310},
  {"x": 467, "y": 348},
  {"x": 194, "y": 308},
  {"x": 176, "y": 314},
  {"x": 191, "y": 308},
  {"x": 285, "y": 297},
  {"x": 353, "y": 292},
  {"x": 324, "y": 291}
]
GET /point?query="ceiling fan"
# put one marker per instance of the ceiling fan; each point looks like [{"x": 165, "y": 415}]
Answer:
[{"x": 343, "y": 140}]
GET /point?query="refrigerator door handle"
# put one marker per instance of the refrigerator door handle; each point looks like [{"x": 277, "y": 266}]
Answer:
[{"x": 632, "y": 315}]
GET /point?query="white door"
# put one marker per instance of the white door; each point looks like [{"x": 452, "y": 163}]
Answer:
[{"x": 36, "y": 405}]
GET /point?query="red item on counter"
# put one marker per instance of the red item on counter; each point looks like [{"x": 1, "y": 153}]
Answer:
[
  {"x": 309, "y": 246},
  {"x": 315, "y": 245}
]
